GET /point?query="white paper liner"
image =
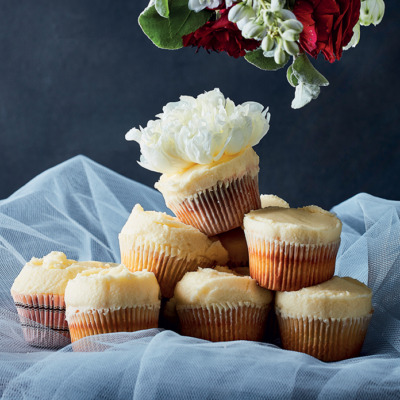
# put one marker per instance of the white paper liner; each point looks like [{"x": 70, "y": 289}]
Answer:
[
  {"x": 168, "y": 268},
  {"x": 283, "y": 266},
  {"x": 42, "y": 319},
  {"x": 330, "y": 339},
  {"x": 129, "y": 319},
  {"x": 221, "y": 207},
  {"x": 224, "y": 323}
]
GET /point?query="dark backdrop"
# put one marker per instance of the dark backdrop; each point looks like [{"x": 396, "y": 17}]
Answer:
[{"x": 76, "y": 75}]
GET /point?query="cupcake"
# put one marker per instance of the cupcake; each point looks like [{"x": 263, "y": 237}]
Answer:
[
  {"x": 218, "y": 305},
  {"x": 203, "y": 148},
  {"x": 38, "y": 293},
  {"x": 167, "y": 247},
  {"x": 291, "y": 248},
  {"x": 234, "y": 241},
  {"x": 328, "y": 321},
  {"x": 111, "y": 300}
]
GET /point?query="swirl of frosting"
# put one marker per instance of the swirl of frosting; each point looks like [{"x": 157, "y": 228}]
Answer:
[{"x": 199, "y": 131}]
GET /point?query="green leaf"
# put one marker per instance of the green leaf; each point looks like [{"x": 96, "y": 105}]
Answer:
[
  {"x": 257, "y": 58},
  {"x": 162, "y": 8},
  {"x": 167, "y": 32},
  {"x": 306, "y": 73},
  {"x": 291, "y": 77},
  {"x": 306, "y": 79}
]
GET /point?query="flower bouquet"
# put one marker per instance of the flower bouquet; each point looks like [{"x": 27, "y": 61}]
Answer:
[{"x": 267, "y": 33}]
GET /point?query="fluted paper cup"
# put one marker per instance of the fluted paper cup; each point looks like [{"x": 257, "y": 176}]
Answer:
[
  {"x": 224, "y": 322},
  {"x": 221, "y": 207},
  {"x": 42, "y": 319},
  {"x": 330, "y": 339},
  {"x": 164, "y": 261},
  {"x": 96, "y": 322},
  {"x": 283, "y": 266}
]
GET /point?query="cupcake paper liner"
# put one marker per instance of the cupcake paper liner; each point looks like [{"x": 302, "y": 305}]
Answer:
[
  {"x": 326, "y": 339},
  {"x": 220, "y": 208},
  {"x": 129, "y": 319},
  {"x": 162, "y": 260},
  {"x": 220, "y": 323},
  {"x": 42, "y": 319},
  {"x": 282, "y": 266}
]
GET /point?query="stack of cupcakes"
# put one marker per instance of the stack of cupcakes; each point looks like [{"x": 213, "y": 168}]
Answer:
[
  {"x": 203, "y": 148},
  {"x": 293, "y": 252}
]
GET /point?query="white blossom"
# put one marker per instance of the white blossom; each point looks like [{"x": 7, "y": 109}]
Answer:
[
  {"x": 371, "y": 12},
  {"x": 199, "y": 131},
  {"x": 198, "y": 5}
]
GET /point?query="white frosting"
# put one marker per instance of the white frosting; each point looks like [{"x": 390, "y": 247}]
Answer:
[
  {"x": 270, "y": 200},
  {"x": 200, "y": 177},
  {"x": 163, "y": 230},
  {"x": 199, "y": 131},
  {"x": 50, "y": 274},
  {"x": 336, "y": 298},
  {"x": 219, "y": 286},
  {"x": 111, "y": 288},
  {"x": 307, "y": 225}
]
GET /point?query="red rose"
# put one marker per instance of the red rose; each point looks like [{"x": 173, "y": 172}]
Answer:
[
  {"x": 221, "y": 35},
  {"x": 327, "y": 25}
]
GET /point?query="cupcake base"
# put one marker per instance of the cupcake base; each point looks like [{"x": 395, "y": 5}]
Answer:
[
  {"x": 223, "y": 323},
  {"x": 282, "y": 266},
  {"x": 326, "y": 339},
  {"x": 96, "y": 322},
  {"x": 42, "y": 319},
  {"x": 169, "y": 269},
  {"x": 220, "y": 208}
]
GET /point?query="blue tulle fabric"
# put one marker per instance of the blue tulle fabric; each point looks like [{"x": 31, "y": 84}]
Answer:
[{"x": 79, "y": 207}]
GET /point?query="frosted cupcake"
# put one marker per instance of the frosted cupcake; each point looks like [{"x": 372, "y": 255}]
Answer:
[
  {"x": 111, "y": 300},
  {"x": 218, "y": 305},
  {"x": 291, "y": 248},
  {"x": 234, "y": 241},
  {"x": 328, "y": 321},
  {"x": 38, "y": 293},
  {"x": 167, "y": 247},
  {"x": 203, "y": 148}
]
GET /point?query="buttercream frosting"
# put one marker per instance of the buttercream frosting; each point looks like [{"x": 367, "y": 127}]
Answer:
[
  {"x": 271, "y": 200},
  {"x": 337, "y": 298},
  {"x": 200, "y": 177},
  {"x": 50, "y": 274},
  {"x": 219, "y": 286},
  {"x": 162, "y": 229},
  {"x": 199, "y": 131},
  {"x": 111, "y": 288},
  {"x": 306, "y": 225}
]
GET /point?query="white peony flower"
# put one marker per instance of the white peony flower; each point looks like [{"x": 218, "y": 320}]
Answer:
[
  {"x": 199, "y": 131},
  {"x": 198, "y": 5}
]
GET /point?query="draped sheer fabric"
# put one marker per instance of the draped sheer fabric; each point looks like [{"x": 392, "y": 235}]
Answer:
[{"x": 79, "y": 207}]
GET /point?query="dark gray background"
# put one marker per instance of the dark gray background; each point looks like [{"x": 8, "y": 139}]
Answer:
[{"x": 76, "y": 75}]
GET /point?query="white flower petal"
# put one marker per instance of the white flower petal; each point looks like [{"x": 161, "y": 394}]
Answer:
[{"x": 199, "y": 131}]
